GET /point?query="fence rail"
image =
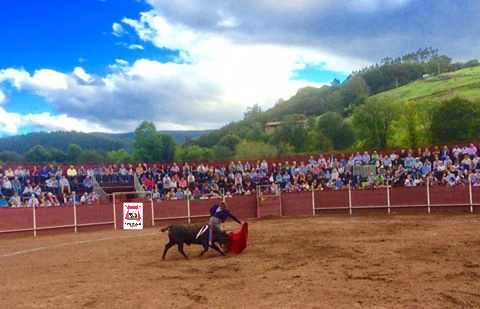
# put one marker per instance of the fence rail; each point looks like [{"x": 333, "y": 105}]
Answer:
[{"x": 110, "y": 214}]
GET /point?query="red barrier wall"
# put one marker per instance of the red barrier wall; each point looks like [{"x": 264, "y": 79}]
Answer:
[
  {"x": 293, "y": 204},
  {"x": 331, "y": 199},
  {"x": 401, "y": 196}
]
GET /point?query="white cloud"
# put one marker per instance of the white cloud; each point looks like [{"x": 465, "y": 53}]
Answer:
[
  {"x": 43, "y": 80},
  {"x": 2, "y": 97},
  {"x": 62, "y": 122},
  {"x": 80, "y": 73},
  {"x": 135, "y": 46},
  {"x": 211, "y": 83},
  {"x": 11, "y": 122},
  {"x": 118, "y": 30}
]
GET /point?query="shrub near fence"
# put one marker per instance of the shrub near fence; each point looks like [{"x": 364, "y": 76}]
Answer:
[{"x": 28, "y": 221}]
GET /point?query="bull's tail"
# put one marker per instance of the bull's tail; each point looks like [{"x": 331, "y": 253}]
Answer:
[{"x": 166, "y": 229}]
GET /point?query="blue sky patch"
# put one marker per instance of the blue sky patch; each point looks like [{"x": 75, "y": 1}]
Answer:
[{"x": 317, "y": 73}]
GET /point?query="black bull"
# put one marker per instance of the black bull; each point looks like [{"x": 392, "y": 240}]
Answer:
[{"x": 181, "y": 234}]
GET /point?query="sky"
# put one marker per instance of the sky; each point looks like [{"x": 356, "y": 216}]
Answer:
[{"x": 107, "y": 65}]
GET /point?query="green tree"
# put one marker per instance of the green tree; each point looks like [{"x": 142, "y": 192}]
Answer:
[
  {"x": 168, "y": 147},
  {"x": 256, "y": 133},
  {"x": 93, "y": 156},
  {"x": 252, "y": 112},
  {"x": 38, "y": 154},
  {"x": 74, "y": 153},
  {"x": 292, "y": 131},
  {"x": 221, "y": 153},
  {"x": 409, "y": 116},
  {"x": 229, "y": 141},
  {"x": 119, "y": 156},
  {"x": 148, "y": 143},
  {"x": 373, "y": 121},
  {"x": 58, "y": 155},
  {"x": 10, "y": 156},
  {"x": 254, "y": 150},
  {"x": 194, "y": 153},
  {"x": 333, "y": 127},
  {"x": 455, "y": 120}
]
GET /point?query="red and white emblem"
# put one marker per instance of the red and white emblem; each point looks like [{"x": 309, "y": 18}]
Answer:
[{"x": 132, "y": 216}]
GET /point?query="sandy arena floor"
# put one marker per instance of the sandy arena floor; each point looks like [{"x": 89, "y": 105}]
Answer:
[{"x": 417, "y": 261}]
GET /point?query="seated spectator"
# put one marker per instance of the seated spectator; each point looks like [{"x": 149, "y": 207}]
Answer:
[
  {"x": 370, "y": 181},
  {"x": 171, "y": 195},
  {"x": 7, "y": 188},
  {"x": 180, "y": 195},
  {"x": 64, "y": 185},
  {"x": 365, "y": 158},
  {"x": 52, "y": 199},
  {"x": 87, "y": 184},
  {"x": 84, "y": 200},
  {"x": 15, "y": 200},
  {"x": 94, "y": 198},
  {"x": 451, "y": 179},
  {"x": 27, "y": 191},
  {"x": 65, "y": 200},
  {"x": 52, "y": 185},
  {"x": 156, "y": 195},
  {"x": 43, "y": 200},
  {"x": 197, "y": 193},
  {"x": 37, "y": 190},
  {"x": 71, "y": 173},
  {"x": 3, "y": 201},
  {"x": 409, "y": 182},
  {"x": 33, "y": 201}
]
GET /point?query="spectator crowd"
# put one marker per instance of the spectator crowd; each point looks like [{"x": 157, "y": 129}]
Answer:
[{"x": 52, "y": 186}]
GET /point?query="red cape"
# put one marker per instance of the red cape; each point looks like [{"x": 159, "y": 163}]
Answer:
[{"x": 237, "y": 242}]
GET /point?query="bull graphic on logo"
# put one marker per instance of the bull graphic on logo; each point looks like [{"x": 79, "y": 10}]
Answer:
[{"x": 133, "y": 213}]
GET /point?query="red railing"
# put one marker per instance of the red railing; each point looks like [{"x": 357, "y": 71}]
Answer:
[{"x": 391, "y": 200}]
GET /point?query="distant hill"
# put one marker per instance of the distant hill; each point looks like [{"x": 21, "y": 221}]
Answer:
[
  {"x": 413, "y": 76},
  {"x": 464, "y": 83},
  {"x": 99, "y": 141}
]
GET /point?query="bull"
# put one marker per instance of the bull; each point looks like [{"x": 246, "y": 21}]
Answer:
[{"x": 182, "y": 234}]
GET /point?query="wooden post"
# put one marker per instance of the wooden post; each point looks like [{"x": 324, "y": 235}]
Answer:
[
  {"x": 470, "y": 192},
  {"x": 350, "y": 197},
  {"x": 114, "y": 213},
  {"x": 388, "y": 197},
  {"x": 428, "y": 194},
  {"x": 153, "y": 212},
  {"x": 188, "y": 210},
  {"x": 313, "y": 200},
  {"x": 75, "y": 215},
  {"x": 34, "y": 220}
]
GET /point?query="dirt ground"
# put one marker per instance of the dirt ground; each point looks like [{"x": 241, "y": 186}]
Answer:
[{"x": 413, "y": 261}]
